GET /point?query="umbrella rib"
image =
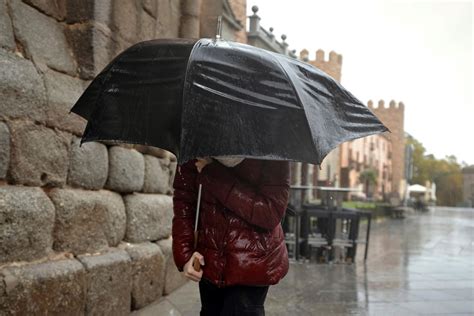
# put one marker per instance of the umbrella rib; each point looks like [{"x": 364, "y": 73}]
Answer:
[
  {"x": 299, "y": 100},
  {"x": 251, "y": 93},
  {"x": 146, "y": 60},
  {"x": 231, "y": 97}
]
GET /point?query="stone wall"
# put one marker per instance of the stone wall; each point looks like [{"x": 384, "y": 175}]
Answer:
[{"x": 83, "y": 230}]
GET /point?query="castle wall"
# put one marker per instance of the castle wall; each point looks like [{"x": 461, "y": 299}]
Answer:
[{"x": 83, "y": 230}]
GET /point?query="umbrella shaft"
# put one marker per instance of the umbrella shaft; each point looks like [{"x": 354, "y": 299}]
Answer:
[{"x": 197, "y": 208}]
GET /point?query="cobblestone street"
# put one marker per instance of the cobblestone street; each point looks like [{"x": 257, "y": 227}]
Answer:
[{"x": 423, "y": 264}]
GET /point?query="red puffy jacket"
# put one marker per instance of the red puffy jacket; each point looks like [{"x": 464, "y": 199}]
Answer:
[{"x": 240, "y": 235}]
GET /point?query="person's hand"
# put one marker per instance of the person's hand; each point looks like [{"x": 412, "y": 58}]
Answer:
[
  {"x": 188, "y": 268},
  {"x": 202, "y": 162}
]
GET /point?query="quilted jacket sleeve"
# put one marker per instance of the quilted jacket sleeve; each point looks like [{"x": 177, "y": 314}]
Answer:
[
  {"x": 262, "y": 206},
  {"x": 184, "y": 208}
]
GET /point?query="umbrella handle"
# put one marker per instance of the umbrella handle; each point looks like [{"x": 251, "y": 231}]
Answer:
[{"x": 196, "y": 263}]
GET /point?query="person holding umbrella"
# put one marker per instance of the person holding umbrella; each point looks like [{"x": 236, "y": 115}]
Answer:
[
  {"x": 211, "y": 97},
  {"x": 241, "y": 245}
]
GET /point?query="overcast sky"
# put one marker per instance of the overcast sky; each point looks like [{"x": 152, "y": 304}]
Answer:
[{"x": 418, "y": 52}]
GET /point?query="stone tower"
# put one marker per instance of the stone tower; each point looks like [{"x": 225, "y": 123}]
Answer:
[{"x": 393, "y": 117}]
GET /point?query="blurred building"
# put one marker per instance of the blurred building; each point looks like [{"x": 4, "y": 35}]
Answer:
[
  {"x": 350, "y": 164},
  {"x": 468, "y": 185},
  {"x": 360, "y": 158},
  {"x": 383, "y": 154},
  {"x": 260, "y": 37}
]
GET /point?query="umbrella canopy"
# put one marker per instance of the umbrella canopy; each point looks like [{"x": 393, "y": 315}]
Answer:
[{"x": 220, "y": 98}]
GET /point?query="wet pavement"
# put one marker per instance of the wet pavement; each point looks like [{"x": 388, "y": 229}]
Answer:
[{"x": 420, "y": 265}]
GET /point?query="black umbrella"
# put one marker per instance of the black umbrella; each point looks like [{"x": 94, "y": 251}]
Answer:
[{"x": 216, "y": 98}]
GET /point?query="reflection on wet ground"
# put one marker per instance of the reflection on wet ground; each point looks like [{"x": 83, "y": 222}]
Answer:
[{"x": 423, "y": 264}]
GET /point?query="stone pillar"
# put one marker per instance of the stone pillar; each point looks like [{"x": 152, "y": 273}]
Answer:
[
  {"x": 254, "y": 21},
  {"x": 190, "y": 15}
]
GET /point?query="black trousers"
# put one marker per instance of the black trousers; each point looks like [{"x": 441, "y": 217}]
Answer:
[{"x": 233, "y": 300}]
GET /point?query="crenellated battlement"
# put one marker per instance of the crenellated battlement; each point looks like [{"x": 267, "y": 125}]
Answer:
[
  {"x": 332, "y": 66},
  {"x": 333, "y": 57},
  {"x": 392, "y": 105}
]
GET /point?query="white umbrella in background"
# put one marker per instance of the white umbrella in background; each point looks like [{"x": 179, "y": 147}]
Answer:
[{"x": 416, "y": 188}]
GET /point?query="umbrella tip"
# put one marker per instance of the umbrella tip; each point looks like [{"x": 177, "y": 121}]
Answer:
[{"x": 219, "y": 27}]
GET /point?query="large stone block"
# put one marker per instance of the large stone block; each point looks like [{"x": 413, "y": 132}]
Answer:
[
  {"x": 22, "y": 90},
  {"x": 88, "y": 166},
  {"x": 148, "y": 272},
  {"x": 39, "y": 155},
  {"x": 7, "y": 39},
  {"x": 173, "y": 278},
  {"x": 172, "y": 170},
  {"x": 126, "y": 170},
  {"x": 42, "y": 37},
  {"x": 26, "y": 223},
  {"x": 157, "y": 175},
  {"x": 108, "y": 283},
  {"x": 80, "y": 222},
  {"x": 5, "y": 152},
  {"x": 147, "y": 26},
  {"x": 115, "y": 216},
  {"x": 87, "y": 221},
  {"x": 79, "y": 11},
  {"x": 94, "y": 45},
  {"x": 80, "y": 38},
  {"x": 62, "y": 92},
  {"x": 169, "y": 18},
  {"x": 107, "y": 45},
  {"x": 153, "y": 151},
  {"x": 148, "y": 217},
  {"x": 53, "y": 8},
  {"x": 49, "y": 288},
  {"x": 121, "y": 16},
  {"x": 150, "y": 6}
]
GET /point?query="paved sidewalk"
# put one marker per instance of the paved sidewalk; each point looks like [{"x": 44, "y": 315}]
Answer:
[{"x": 421, "y": 265}]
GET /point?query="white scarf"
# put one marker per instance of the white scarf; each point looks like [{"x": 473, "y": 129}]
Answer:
[{"x": 229, "y": 161}]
